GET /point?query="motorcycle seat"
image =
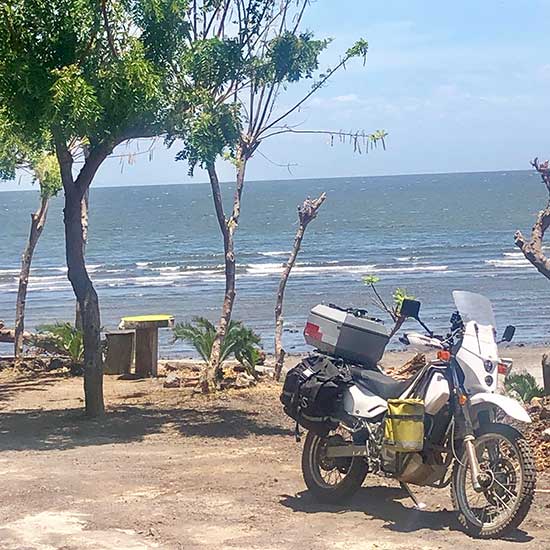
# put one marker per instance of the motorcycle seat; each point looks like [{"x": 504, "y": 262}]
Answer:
[{"x": 380, "y": 384}]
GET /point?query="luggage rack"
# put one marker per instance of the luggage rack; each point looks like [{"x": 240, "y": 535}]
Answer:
[
  {"x": 357, "y": 312},
  {"x": 341, "y": 361}
]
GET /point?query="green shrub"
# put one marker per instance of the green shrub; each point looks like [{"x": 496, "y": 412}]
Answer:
[
  {"x": 62, "y": 339},
  {"x": 239, "y": 341},
  {"x": 524, "y": 386}
]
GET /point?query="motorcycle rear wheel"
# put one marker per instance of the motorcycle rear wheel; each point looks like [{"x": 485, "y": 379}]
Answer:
[
  {"x": 506, "y": 457},
  {"x": 331, "y": 480}
]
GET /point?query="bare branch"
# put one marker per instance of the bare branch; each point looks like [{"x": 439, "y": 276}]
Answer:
[
  {"x": 382, "y": 304},
  {"x": 108, "y": 30},
  {"x": 287, "y": 165},
  {"x": 533, "y": 249},
  {"x": 308, "y": 210},
  {"x": 299, "y": 16},
  {"x": 354, "y": 137},
  {"x": 313, "y": 90},
  {"x": 544, "y": 170}
]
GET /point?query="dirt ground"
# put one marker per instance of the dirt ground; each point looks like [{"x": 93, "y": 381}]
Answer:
[{"x": 167, "y": 470}]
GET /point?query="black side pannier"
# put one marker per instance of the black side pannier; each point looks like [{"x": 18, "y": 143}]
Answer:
[{"x": 312, "y": 393}]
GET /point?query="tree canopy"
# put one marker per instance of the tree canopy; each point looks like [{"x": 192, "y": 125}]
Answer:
[
  {"x": 241, "y": 57},
  {"x": 90, "y": 71},
  {"x": 32, "y": 156}
]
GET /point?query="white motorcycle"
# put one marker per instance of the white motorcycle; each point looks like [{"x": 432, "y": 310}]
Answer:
[{"x": 436, "y": 429}]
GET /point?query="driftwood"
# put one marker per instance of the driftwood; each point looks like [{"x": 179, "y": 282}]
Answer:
[
  {"x": 532, "y": 249},
  {"x": 409, "y": 369},
  {"x": 306, "y": 213},
  {"x": 7, "y": 335}
]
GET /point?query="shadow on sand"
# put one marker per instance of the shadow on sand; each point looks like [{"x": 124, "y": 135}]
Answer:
[
  {"x": 384, "y": 503},
  {"x": 24, "y": 383},
  {"x": 67, "y": 428}
]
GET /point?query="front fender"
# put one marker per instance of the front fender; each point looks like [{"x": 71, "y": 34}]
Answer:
[{"x": 510, "y": 406}]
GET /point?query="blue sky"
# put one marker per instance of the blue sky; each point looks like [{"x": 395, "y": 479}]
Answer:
[{"x": 459, "y": 86}]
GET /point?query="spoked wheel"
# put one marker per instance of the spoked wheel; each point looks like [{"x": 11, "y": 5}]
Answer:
[
  {"x": 508, "y": 483},
  {"x": 331, "y": 479}
]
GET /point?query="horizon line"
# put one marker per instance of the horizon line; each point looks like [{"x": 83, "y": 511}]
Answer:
[{"x": 174, "y": 183}]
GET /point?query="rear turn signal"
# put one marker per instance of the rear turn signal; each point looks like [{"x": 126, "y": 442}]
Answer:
[
  {"x": 502, "y": 369},
  {"x": 444, "y": 355}
]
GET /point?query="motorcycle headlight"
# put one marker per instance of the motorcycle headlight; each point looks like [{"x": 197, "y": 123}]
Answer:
[{"x": 489, "y": 366}]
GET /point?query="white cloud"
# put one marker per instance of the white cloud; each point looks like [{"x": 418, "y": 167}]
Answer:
[{"x": 348, "y": 98}]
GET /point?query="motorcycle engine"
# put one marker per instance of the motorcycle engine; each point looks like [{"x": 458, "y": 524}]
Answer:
[{"x": 417, "y": 472}]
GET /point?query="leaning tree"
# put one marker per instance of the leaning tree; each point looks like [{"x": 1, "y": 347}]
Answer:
[
  {"x": 243, "y": 55},
  {"x": 37, "y": 159},
  {"x": 92, "y": 74}
]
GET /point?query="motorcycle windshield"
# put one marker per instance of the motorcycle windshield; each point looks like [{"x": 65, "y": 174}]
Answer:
[{"x": 474, "y": 307}]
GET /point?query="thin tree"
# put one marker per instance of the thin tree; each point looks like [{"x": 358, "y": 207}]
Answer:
[
  {"x": 307, "y": 212},
  {"x": 533, "y": 248},
  {"x": 40, "y": 164},
  {"x": 244, "y": 56},
  {"x": 92, "y": 75},
  {"x": 394, "y": 310},
  {"x": 46, "y": 173}
]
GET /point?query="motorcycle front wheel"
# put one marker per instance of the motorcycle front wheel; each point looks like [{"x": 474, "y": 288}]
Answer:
[
  {"x": 331, "y": 479},
  {"x": 507, "y": 463}
]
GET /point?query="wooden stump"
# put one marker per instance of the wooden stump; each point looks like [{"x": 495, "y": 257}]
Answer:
[
  {"x": 546, "y": 373},
  {"x": 120, "y": 350},
  {"x": 146, "y": 327},
  {"x": 147, "y": 351}
]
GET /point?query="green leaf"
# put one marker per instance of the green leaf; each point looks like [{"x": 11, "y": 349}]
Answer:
[
  {"x": 239, "y": 340},
  {"x": 524, "y": 386},
  {"x": 371, "y": 279}
]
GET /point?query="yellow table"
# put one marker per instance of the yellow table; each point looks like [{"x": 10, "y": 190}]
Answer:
[{"x": 147, "y": 339}]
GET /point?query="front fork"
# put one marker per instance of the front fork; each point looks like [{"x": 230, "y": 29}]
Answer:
[{"x": 479, "y": 478}]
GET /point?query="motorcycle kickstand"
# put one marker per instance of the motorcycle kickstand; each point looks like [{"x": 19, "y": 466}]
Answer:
[{"x": 417, "y": 504}]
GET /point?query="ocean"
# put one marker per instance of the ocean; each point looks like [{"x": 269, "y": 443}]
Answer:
[{"x": 158, "y": 249}]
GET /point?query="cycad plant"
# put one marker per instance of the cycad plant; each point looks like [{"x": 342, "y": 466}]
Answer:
[
  {"x": 239, "y": 341},
  {"x": 62, "y": 339},
  {"x": 524, "y": 386}
]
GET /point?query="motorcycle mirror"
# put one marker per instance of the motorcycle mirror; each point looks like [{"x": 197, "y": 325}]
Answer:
[
  {"x": 410, "y": 308},
  {"x": 509, "y": 332}
]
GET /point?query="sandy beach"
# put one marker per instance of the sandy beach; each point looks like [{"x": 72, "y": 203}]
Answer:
[{"x": 169, "y": 470}]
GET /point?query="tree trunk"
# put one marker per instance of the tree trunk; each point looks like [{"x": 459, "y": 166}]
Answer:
[
  {"x": 211, "y": 375},
  {"x": 84, "y": 207},
  {"x": 306, "y": 212},
  {"x": 533, "y": 249},
  {"x": 546, "y": 373},
  {"x": 279, "y": 321},
  {"x": 38, "y": 219},
  {"x": 88, "y": 303}
]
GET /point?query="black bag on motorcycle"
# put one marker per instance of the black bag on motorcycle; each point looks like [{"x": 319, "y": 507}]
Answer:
[{"x": 312, "y": 393}]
